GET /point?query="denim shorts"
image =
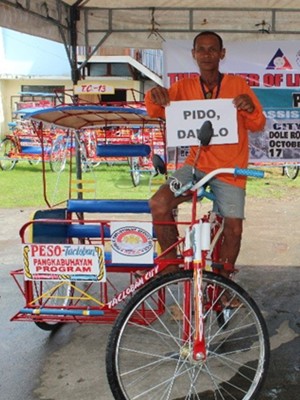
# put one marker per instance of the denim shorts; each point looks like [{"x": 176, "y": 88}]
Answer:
[{"x": 229, "y": 199}]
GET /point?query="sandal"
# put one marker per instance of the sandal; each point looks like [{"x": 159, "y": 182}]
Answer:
[
  {"x": 225, "y": 269},
  {"x": 176, "y": 312},
  {"x": 230, "y": 301}
]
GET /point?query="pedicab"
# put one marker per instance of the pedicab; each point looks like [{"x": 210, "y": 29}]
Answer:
[
  {"x": 107, "y": 139},
  {"x": 70, "y": 273},
  {"x": 82, "y": 264},
  {"x": 23, "y": 143}
]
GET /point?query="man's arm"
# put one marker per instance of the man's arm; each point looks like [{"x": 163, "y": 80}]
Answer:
[
  {"x": 251, "y": 110},
  {"x": 156, "y": 100}
]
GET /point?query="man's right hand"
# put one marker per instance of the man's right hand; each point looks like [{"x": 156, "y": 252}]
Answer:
[{"x": 160, "y": 96}]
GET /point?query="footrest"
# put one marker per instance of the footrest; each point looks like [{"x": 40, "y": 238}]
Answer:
[{"x": 55, "y": 311}]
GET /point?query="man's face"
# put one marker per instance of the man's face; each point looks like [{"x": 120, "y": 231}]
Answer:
[{"x": 207, "y": 53}]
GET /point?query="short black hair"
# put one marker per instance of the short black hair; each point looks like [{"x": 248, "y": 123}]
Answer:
[{"x": 203, "y": 33}]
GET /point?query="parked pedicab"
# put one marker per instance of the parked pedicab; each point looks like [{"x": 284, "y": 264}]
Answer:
[
  {"x": 110, "y": 138},
  {"x": 24, "y": 143}
]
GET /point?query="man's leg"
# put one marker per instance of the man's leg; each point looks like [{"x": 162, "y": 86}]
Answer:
[
  {"x": 232, "y": 236},
  {"x": 230, "y": 203},
  {"x": 233, "y": 228},
  {"x": 162, "y": 205}
]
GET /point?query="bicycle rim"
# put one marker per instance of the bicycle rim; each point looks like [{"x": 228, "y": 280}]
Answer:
[
  {"x": 292, "y": 171},
  {"x": 135, "y": 170},
  {"x": 58, "y": 155},
  {"x": 151, "y": 360}
]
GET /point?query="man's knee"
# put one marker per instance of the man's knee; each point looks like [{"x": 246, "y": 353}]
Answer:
[
  {"x": 161, "y": 203},
  {"x": 158, "y": 206},
  {"x": 233, "y": 227}
]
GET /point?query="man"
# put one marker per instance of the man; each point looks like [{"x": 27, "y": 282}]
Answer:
[{"x": 229, "y": 191}]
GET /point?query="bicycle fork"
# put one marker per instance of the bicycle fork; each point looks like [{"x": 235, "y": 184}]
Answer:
[{"x": 197, "y": 245}]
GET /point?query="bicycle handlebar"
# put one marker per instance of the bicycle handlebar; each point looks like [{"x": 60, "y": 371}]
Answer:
[
  {"x": 233, "y": 171},
  {"x": 249, "y": 172}
]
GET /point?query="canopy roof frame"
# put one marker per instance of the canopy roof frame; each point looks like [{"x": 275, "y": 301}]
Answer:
[{"x": 76, "y": 23}]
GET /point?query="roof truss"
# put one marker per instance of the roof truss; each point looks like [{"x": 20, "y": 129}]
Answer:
[{"x": 86, "y": 23}]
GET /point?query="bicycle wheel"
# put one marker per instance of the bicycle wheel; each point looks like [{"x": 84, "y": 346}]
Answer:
[
  {"x": 49, "y": 294},
  {"x": 148, "y": 357},
  {"x": 135, "y": 170},
  {"x": 7, "y": 152},
  {"x": 87, "y": 156},
  {"x": 291, "y": 171},
  {"x": 58, "y": 154}
]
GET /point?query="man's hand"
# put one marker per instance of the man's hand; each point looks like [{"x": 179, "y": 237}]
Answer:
[
  {"x": 160, "y": 96},
  {"x": 244, "y": 102}
]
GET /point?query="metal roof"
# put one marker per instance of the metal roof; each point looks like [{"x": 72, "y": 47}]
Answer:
[
  {"x": 146, "y": 24},
  {"x": 132, "y": 23},
  {"x": 85, "y": 116}
]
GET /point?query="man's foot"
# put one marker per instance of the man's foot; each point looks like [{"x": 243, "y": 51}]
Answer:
[
  {"x": 177, "y": 313},
  {"x": 230, "y": 301},
  {"x": 225, "y": 269}
]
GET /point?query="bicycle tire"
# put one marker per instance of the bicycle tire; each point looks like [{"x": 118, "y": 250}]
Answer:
[
  {"x": 87, "y": 157},
  {"x": 135, "y": 170},
  {"x": 7, "y": 147},
  {"x": 291, "y": 171},
  {"x": 60, "y": 298},
  {"x": 85, "y": 163},
  {"x": 58, "y": 154},
  {"x": 151, "y": 361}
]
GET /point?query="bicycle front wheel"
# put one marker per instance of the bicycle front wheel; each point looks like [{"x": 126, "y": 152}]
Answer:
[{"x": 149, "y": 354}]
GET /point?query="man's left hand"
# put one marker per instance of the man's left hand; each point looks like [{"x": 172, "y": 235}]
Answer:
[{"x": 244, "y": 102}]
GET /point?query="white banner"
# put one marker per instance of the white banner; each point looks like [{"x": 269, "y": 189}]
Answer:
[
  {"x": 184, "y": 120},
  {"x": 264, "y": 64},
  {"x": 272, "y": 70},
  {"x": 59, "y": 262}
]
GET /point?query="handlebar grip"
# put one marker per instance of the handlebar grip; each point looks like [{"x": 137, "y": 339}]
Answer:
[
  {"x": 249, "y": 172},
  {"x": 183, "y": 189}
]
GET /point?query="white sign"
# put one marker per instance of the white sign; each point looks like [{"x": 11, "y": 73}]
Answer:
[
  {"x": 131, "y": 242},
  {"x": 276, "y": 64},
  {"x": 272, "y": 69},
  {"x": 184, "y": 119},
  {"x": 64, "y": 262},
  {"x": 93, "y": 88}
]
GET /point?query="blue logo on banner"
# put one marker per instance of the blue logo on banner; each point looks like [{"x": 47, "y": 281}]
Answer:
[{"x": 279, "y": 61}]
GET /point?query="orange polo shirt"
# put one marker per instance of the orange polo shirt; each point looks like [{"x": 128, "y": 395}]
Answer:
[{"x": 218, "y": 156}]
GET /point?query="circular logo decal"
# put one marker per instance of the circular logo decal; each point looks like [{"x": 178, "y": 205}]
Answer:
[{"x": 131, "y": 241}]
